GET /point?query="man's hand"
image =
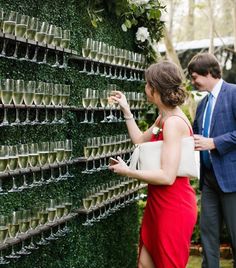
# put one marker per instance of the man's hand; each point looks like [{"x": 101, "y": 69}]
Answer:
[{"x": 203, "y": 143}]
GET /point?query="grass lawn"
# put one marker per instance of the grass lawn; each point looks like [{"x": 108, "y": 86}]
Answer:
[{"x": 195, "y": 262}]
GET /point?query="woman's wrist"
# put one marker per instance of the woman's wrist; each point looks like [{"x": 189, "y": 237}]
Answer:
[{"x": 129, "y": 117}]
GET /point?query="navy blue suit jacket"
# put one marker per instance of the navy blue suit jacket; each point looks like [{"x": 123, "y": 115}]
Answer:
[{"x": 223, "y": 131}]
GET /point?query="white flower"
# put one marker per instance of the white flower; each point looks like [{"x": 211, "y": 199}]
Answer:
[
  {"x": 142, "y": 34},
  {"x": 156, "y": 130}
]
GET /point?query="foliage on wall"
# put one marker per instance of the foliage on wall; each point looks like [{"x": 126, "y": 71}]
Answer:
[{"x": 142, "y": 16}]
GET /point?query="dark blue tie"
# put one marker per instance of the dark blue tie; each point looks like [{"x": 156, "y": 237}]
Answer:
[{"x": 206, "y": 129}]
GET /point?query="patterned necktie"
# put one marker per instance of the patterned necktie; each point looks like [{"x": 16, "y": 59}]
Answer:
[{"x": 206, "y": 128}]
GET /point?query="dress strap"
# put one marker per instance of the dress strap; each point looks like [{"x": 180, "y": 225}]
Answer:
[{"x": 190, "y": 128}]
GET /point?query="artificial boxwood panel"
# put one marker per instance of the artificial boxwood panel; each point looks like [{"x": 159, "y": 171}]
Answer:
[{"x": 111, "y": 242}]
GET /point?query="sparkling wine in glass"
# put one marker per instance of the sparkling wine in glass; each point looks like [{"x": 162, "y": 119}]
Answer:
[
  {"x": 29, "y": 91},
  {"x": 38, "y": 99},
  {"x": 30, "y": 35},
  {"x": 3, "y": 236},
  {"x": 6, "y": 92}
]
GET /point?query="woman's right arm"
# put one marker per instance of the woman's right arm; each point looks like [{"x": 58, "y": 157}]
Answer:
[{"x": 136, "y": 135}]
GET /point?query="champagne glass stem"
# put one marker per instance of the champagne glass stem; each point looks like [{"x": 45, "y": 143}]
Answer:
[
  {"x": 16, "y": 50},
  {"x": 14, "y": 187},
  {"x": 36, "y": 120},
  {"x": 3, "y": 53},
  {"x": 1, "y": 189},
  {"x": 92, "y": 117},
  {"x": 34, "y": 59},
  {"x": 84, "y": 68},
  {"x": 27, "y": 121},
  {"x": 62, "y": 120},
  {"x": 26, "y": 57},
  {"x": 56, "y": 64},
  {"x": 45, "y": 121},
  {"x": 45, "y": 57},
  {"x": 85, "y": 116},
  {"x": 65, "y": 59},
  {"x": 5, "y": 120},
  {"x": 55, "y": 120},
  {"x": 17, "y": 120}
]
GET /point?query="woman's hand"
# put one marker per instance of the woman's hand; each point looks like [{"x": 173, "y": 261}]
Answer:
[
  {"x": 119, "y": 97},
  {"x": 121, "y": 168}
]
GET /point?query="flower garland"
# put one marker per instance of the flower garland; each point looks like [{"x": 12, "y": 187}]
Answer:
[{"x": 144, "y": 16}]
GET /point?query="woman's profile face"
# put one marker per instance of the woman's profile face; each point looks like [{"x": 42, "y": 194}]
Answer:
[{"x": 149, "y": 92}]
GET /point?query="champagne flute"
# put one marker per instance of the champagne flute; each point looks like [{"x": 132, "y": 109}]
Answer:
[
  {"x": 86, "y": 49},
  {"x": 7, "y": 86},
  {"x": 93, "y": 104},
  {"x": 104, "y": 104},
  {"x": 86, "y": 98},
  {"x": 87, "y": 202},
  {"x": 67, "y": 157},
  {"x": 57, "y": 91},
  {"x": 51, "y": 208},
  {"x": 47, "y": 99},
  {"x": 43, "y": 219},
  {"x": 105, "y": 53},
  {"x": 60, "y": 149},
  {"x": 29, "y": 91},
  {"x": 38, "y": 99},
  {"x": 4, "y": 155},
  {"x": 13, "y": 230},
  {"x": 65, "y": 42},
  {"x": 65, "y": 94},
  {"x": 33, "y": 161},
  {"x": 23, "y": 154},
  {"x": 92, "y": 55},
  {"x": 57, "y": 42},
  {"x": 18, "y": 92},
  {"x": 48, "y": 40},
  {"x": 9, "y": 24},
  {"x": 13, "y": 165},
  {"x": 3, "y": 235},
  {"x": 20, "y": 30},
  {"x": 24, "y": 228},
  {"x": 111, "y": 56},
  {"x": 60, "y": 210},
  {"x": 52, "y": 159},
  {"x": 40, "y": 37},
  {"x": 1, "y": 18},
  {"x": 34, "y": 223},
  {"x": 30, "y": 35},
  {"x": 67, "y": 201}
]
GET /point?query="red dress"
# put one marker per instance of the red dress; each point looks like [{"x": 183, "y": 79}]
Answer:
[{"x": 168, "y": 221}]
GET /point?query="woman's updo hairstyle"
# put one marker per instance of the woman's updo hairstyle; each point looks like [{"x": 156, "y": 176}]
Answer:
[{"x": 166, "y": 79}]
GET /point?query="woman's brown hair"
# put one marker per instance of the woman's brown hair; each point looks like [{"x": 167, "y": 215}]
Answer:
[{"x": 165, "y": 78}]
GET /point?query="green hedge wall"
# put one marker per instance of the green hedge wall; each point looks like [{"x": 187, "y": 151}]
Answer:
[{"x": 111, "y": 242}]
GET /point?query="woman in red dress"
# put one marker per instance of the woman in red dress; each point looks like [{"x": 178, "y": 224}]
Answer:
[{"x": 171, "y": 209}]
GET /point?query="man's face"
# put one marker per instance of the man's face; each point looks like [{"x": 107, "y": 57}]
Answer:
[{"x": 200, "y": 82}]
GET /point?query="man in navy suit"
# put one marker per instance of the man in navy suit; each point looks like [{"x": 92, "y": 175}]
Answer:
[{"x": 215, "y": 136}]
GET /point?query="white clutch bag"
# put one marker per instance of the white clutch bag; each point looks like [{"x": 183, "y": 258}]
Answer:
[{"x": 146, "y": 156}]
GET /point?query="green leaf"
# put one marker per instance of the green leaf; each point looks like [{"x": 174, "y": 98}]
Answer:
[
  {"x": 94, "y": 23},
  {"x": 128, "y": 23},
  {"x": 124, "y": 28}
]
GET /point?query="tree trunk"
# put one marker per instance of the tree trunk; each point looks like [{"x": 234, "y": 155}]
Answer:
[
  {"x": 234, "y": 20},
  {"x": 189, "y": 107},
  {"x": 170, "y": 51},
  {"x": 211, "y": 25},
  {"x": 190, "y": 19}
]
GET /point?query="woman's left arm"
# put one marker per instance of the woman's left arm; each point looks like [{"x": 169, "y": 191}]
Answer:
[{"x": 170, "y": 158}]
